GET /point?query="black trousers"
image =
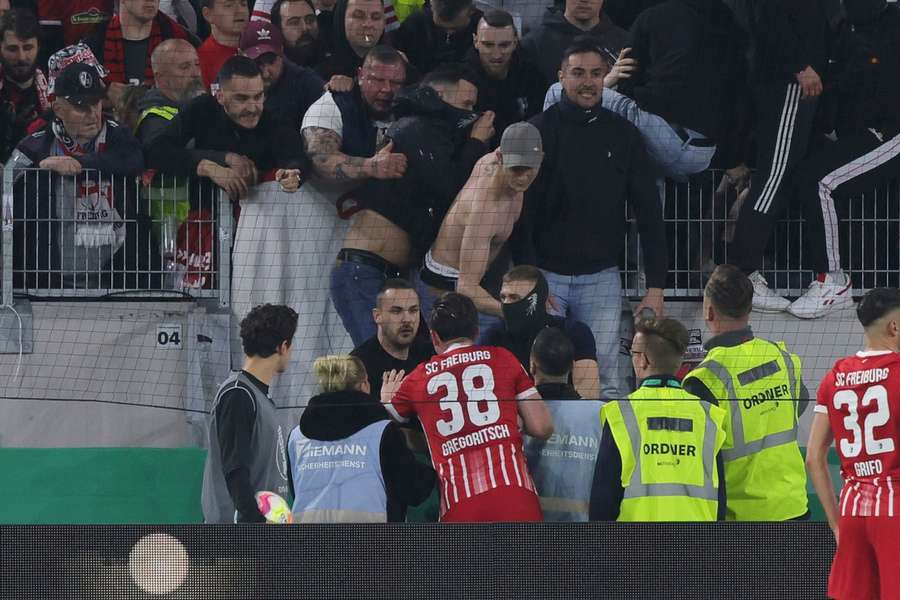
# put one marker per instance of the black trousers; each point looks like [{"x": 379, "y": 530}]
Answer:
[
  {"x": 841, "y": 171},
  {"x": 783, "y": 126}
]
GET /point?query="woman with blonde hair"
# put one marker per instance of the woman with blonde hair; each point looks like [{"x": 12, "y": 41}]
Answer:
[{"x": 348, "y": 462}]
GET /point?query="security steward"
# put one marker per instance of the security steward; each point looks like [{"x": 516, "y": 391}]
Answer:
[
  {"x": 758, "y": 384},
  {"x": 659, "y": 457}
]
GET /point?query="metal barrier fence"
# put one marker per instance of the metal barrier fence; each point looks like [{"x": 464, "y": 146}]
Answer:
[
  {"x": 100, "y": 236},
  {"x": 700, "y": 220}
]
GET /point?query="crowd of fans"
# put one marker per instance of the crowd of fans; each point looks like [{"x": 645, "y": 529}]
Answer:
[
  {"x": 694, "y": 83},
  {"x": 467, "y": 141}
]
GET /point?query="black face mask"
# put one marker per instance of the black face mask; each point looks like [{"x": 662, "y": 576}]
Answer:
[{"x": 529, "y": 315}]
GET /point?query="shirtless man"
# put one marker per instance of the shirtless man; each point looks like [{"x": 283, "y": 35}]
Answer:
[
  {"x": 399, "y": 216},
  {"x": 481, "y": 220}
]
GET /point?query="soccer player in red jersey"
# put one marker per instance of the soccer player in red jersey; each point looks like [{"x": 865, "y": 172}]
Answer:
[
  {"x": 859, "y": 409},
  {"x": 470, "y": 400}
]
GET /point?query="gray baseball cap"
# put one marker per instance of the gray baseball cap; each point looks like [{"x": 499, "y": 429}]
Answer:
[{"x": 521, "y": 146}]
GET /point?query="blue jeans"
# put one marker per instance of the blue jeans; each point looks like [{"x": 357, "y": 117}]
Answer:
[
  {"x": 427, "y": 297},
  {"x": 354, "y": 289},
  {"x": 677, "y": 158},
  {"x": 596, "y": 301}
]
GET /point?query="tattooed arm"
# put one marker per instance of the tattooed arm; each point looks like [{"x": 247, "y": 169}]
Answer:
[{"x": 323, "y": 146}]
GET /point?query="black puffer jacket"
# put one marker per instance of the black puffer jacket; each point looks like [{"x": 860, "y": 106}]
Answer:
[
  {"x": 434, "y": 136},
  {"x": 338, "y": 415},
  {"x": 427, "y": 45},
  {"x": 690, "y": 64},
  {"x": 518, "y": 97},
  {"x": 544, "y": 46},
  {"x": 340, "y": 58}
]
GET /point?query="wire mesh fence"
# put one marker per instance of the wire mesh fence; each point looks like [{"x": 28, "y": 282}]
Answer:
[{"x": 96, "y": 235}]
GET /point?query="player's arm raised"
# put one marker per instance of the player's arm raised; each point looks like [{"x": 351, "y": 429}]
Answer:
[
  {"x": 474, "y": 254},
  {"x": 536, "y": 416},
  {"x": 820, "y": 440}
]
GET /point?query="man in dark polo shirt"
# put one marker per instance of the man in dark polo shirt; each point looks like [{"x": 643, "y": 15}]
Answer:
[{"x": 396, "y": 346}]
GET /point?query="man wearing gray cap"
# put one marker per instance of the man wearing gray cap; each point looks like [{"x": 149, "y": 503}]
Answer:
[{"x": 480, "y": 221}]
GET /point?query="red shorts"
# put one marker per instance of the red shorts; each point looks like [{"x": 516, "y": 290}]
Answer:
[
  {"x": 502, "y": 504},
  {"x": 867, "y": 562}
]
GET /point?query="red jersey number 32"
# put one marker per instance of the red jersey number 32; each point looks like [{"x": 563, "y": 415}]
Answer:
[{"x": 881, "y": 415}]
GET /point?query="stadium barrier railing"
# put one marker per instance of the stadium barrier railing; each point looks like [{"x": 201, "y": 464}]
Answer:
[
  {"x": 700, "y": 216},
  {"x": 95, "y": 235},
  {"x": 546, "y": 561},
  {"x": 188, "y": 249}
]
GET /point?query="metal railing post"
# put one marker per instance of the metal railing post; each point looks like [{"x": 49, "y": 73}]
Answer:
[
  {"x": 6, "y": 236},
  {"x": 226, "y": 227}
]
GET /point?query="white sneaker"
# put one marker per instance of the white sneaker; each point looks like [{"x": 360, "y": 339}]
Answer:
[
  {"x": 826, "y": 294},
  {"x": 764, "y": 299}
]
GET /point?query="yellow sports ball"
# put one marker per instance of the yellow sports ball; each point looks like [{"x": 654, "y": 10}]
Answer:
[{"x": 274, "y": 508}]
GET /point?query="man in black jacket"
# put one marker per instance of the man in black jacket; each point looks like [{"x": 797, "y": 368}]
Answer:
[
  {"x": 789, "y": 42},
  {"x": 439, "y": 34},
  {"x": 545, "y": 45},
  {"x": 235, "y": 140},
  {"x": 573, "y": 224},
  {"x": 290, "y": 89},
  {"x": 681, "y": 94},
  {"x": 677, "y": 82},
  {"x": 81, "y": 226},
  {"x": 304, "y": 42},
  {"x": 866, "y": 153},
  {"x": 442, "y": 140},
  {"x": 358, "y": 27},
  {"x": 177, "y": 81},
  {"x": 507, "y": 85}
]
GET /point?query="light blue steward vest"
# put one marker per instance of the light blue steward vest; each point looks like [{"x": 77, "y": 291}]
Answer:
[
  {"x": 339, "y": 481},
  {"x": 563, "y": 466}
]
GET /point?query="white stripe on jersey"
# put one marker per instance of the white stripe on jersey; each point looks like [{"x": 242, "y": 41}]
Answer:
[
  {"x": 515, "y": 462},
  {"x": 465, "y": 475},
  {"x": 877, "y": 498},
  {"x": 444, "y": 485},
  {"x": 855, "y": 500},
  {"x": 846, "y": 498},
  {"x": 490, "y": 464},
  {"x": 503, "y": 464},
  {"x": 475, "y": 464},
  {"x": 453, "y": 481},
  {"x": 890, "y": 497}
]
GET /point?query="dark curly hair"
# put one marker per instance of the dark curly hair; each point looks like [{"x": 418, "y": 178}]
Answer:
[
  {"x": 266, "y": 327},
  {"x": 454, "y": 316}
]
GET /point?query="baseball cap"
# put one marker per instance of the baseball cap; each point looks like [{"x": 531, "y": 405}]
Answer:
[
  {"x": 259, "y": 38},
  {"x": 79, "y": 83},
  {"x": 521, "y": 146},
  {"x": 76, "y": 53}
]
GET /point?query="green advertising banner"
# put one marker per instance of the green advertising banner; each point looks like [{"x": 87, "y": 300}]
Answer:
[
  {"x": 101, "y": 485},
  {"x": 87, "y": 486}
]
